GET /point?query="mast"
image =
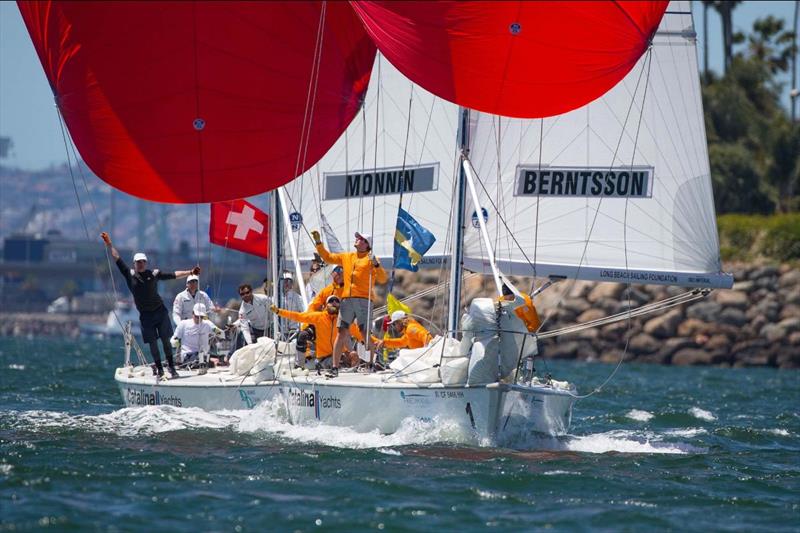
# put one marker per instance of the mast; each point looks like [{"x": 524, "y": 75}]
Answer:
[
  {"x": 275, "y": 254},
  {"x": 454, "y": 309}
]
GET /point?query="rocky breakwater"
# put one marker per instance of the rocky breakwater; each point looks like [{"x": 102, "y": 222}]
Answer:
[{"x": 757, "y": 323}]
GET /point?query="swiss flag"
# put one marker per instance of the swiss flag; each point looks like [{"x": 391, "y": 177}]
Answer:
[{"x": 240, "y": 225}]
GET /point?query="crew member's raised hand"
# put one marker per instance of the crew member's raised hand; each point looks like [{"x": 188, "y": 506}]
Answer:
[
  {"x": 316, "y": 236},
  {"x": 274, "y": 308},
  {"x": 196, "y": 271},
  {"x": 106, "y": 238}
]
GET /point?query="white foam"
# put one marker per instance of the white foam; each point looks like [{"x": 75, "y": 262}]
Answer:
[
  {"x": 779, "y": 432},
  {"x": 623, "y": 441},
  {"x": 640, "y": 416},
  {"x": 5, "y": 469},
  {"x": 270, "y": 418},
  {"x": 702, "y": 414},
  {"x": 15, "y": 366},
  {"x": 686, "y": 432},
  {"x": 560, "y": 473}
]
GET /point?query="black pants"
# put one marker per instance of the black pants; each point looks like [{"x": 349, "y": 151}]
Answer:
[{"x": 156, "y": 325}]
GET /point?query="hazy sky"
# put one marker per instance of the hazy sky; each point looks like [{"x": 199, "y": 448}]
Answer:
[{"x": 28, "y": 116}]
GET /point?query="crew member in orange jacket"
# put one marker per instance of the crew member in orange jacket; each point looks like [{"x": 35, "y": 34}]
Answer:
[
  {"x": 318, "y": 304},
  {"x": 324, "y": 323},
  {"x": 361, "y": 271},
  {"x": 413, "y": 335}
]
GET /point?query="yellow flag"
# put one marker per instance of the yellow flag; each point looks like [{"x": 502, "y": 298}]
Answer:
[{"x": 393, "y": 304}]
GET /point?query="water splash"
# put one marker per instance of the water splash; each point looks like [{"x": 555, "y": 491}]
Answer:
[
  {"x": 640, "y": 416},
  {"x": 702, "y": 414}
]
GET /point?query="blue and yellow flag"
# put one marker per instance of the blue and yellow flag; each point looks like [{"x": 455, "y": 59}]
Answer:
[{"x": 411, "y": 241}]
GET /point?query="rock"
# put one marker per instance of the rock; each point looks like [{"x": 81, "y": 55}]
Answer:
[
  {"x": 789, "y": 279},
  {"x": 764, "y": 272},
  {"x": 605, "y": 290},
  {"x": 563, "y": 350},
  {"x": 692, "y": 327},
  {"x": 758, "y": 322},
  {"x": 664, "y": 326},
  {"x": 789, "y": 311},
  {"x": 668, "y": 349},
  {"x": 788, "y": 357},
  {"x": 791, "y": 324},
  {"x": 580, "y": 289},
  {"x": 637, "y": 297},
  {"x": 612, "y": 356},
  {"x": 591, "y": 314},
  {"x": 792, "y": 297},
  {"x": 717, "y": 342},
  {"x": 736, "y": 299},
  {"x": 610, "y": 306},
  {"x": 773, "y": 332},
  {"x": 743, "y": 286},
  {"x": 614, "y": 331},
  {"x": 794, "y": 338},
  {"x": 589, "y": 334},
  {"x": 575, "y": 305},
  {"x": 750, "y": 352},
  {"x": 706, "y": 311},
  {"x": 733, "y": 317},
  {"x": 691, "y": 356},
  {"x": 643, "y": 343},
  {"x": 768, "y": 306}
]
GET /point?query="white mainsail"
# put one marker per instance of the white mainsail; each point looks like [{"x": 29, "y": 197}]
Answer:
[
  {"x": 357, "y": 184},
  {"x": 618, "y": 190}
]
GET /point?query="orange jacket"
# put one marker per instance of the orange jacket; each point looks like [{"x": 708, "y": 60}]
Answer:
[
  {"x": 357, "y": 269},
  {"x": 415, "y": 336},
  {"x": 527, "y": 313},
  {"x": 325, "y": 325},
  {"x": 318, "y": 303}
]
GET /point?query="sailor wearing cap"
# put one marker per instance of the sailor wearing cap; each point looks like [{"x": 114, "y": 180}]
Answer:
[
  {"x": 186, "y": 300},
  {"x": 153, "y": 314},
  {"x": 289, "y": 298},
  {"x": 412, "y": 334},
  {"x": 319, "y": 302},
  {"x": 192, "y": 335},
  {"x": 361, "y": 270}
]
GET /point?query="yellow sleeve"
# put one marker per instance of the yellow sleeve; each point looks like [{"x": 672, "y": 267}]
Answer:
[
  {"x": 420, "y": 334},
  {"x": 328, "y": 257},
  {"x": 381, "y": 276},
  {"x": 399, "y": 342}
]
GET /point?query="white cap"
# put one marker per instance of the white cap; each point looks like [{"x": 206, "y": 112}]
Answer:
[
  {"x": 287, "y": 275},
  {"x": 398, "y": 315},
  {"x": 192, "y": 277},
  {"x": 366, "y": 236},
  {"x": 199, "y": 310},
  {"x": 139, "y": 257},
  {"x": 332, "y": 297}
]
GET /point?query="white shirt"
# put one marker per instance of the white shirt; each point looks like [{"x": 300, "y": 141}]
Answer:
[
  {"x": 193, "y": 337},
  {"x": 293, "y": 302},
  {"x": 257, "y": 312},
  {"x": 184, "y": 302}
]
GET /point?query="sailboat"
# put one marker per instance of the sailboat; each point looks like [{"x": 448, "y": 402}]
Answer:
[{"x": 594, "y": 167}]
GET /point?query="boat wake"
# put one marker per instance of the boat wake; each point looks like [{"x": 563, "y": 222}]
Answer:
[{"x": 269, "y": 420}]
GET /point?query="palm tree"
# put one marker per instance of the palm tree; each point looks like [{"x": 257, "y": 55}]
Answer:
[
  {"x": 771, "y": 44},
  {"x": 725, "y": 9}
]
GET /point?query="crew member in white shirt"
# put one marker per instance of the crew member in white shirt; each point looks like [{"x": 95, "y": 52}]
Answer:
[
  {"x": 186, "y": 300},
  {"x": 194, "y": 334},
  {"x": 255, "y": 309},
  {"x": 290, "y": 301}
]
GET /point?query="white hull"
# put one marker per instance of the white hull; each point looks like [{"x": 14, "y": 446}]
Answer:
[
  {"x": 494, "y": 413},
  {"x": 214, "y": 391},
  {"x": 367, "y": 402}
]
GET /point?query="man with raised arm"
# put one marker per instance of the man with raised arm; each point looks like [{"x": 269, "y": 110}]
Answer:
[
  {"x": 153, "y": 314},
  {"x": 361, "y": 271}
]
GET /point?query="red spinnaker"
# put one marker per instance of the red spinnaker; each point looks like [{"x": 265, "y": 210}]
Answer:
[
  {"x": 200, "y": 101},
  {"x": 518, "y": 59}
]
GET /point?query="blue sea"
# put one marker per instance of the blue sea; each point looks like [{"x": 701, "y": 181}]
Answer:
[{"x": 659, "y": 448}]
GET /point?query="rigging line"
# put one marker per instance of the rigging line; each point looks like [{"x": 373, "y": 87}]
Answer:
[
  {"x": 538, "y": 195},
  {"x": 311, "y": 83},
  {"x": 402, "y": 189},
  {"x": 625, "y": 241},
  {"x": 599, "y": 202}
]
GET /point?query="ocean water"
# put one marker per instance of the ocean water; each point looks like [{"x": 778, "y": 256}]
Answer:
[{"x": 658, "y": 448}]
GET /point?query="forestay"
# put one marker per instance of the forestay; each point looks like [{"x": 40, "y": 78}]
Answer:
[
  {"x": 620, "y": 189},
  {"x": 357, "y": 184}
]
